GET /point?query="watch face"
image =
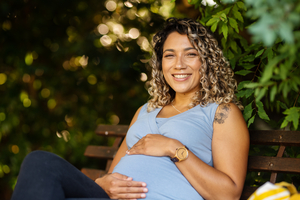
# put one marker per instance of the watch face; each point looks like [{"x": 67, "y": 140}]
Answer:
[{"x": 182, "y": 153}]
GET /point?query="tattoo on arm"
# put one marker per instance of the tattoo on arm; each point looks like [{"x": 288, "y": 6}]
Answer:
[{"x": 222, "y": 113}]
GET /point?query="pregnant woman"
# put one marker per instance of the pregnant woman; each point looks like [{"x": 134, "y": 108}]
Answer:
[{"x": 189, "y": 141}]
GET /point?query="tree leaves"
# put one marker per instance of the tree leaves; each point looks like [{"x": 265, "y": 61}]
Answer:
[
  {"x": 233, "y": 23},
  {"x": 268, "y": 67},
  {"x": 248, "y": 111},
  {"x": 261, "y": 111},
  {"x": 259, "y": 53},
  {"x": 292, "y": 115},
  {"x": 225, "y": 30}
]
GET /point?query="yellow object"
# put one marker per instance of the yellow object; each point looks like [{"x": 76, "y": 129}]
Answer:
[{"x": 278, "y": 191}]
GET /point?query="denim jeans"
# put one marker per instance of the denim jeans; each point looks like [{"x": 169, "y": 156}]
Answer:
[{"x": 46, "y": 176}]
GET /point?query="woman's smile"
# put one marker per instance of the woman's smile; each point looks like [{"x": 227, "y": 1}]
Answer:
[
  {"x": 181, "y": 64},
  {"x": 181, "y": 77}
]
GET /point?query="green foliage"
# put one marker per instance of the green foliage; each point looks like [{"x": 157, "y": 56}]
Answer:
[
  {"x": 261, "y": 40},
  {"x": 292, "y": 116}
]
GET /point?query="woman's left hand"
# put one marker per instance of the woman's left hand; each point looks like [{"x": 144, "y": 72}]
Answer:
[{"x": 155, "y": 145}]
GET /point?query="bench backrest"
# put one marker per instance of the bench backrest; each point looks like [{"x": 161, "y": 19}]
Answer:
[{"x": 258, "y": 163}]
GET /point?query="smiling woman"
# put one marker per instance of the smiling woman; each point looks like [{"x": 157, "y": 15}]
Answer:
[
  {"x": 181, "y": 64},
  {"x": 189, "y": 141},
  {"x": 216, "y": 77}
]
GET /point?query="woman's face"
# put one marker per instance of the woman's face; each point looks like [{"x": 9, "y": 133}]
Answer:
[{"x": 181, "y": 64}]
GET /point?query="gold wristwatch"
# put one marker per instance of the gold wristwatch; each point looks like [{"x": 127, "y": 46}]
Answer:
[{"x": 181, "y": 154}]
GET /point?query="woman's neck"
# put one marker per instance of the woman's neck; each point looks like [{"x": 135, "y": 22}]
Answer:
[{"x": 182, "y": 100}]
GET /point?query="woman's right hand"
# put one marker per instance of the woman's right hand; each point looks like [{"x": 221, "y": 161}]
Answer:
[{"x": 119, "y": 186}]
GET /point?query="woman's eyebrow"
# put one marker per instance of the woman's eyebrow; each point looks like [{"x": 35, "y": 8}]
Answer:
[
  {"x": 172, "y": 50},
  {"x": 189, "y": 48},
  {"x": 186, "y": 49}
]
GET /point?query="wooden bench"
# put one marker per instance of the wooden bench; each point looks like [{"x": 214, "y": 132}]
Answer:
[{"x": 277, "y": 140}]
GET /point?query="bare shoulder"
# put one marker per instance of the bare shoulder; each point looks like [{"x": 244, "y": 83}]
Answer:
[{"x": 227, "y": 112}]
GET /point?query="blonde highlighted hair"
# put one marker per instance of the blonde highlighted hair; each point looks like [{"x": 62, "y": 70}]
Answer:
[{"x": 217, "y": 84}]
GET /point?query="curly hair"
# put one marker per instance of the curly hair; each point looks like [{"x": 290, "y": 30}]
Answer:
[{"x": 217, "y": 84}]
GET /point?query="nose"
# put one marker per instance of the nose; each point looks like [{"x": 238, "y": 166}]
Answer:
[{"x": 180, "y": 62}]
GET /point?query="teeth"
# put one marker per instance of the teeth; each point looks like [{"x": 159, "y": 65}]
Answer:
[{"x": 180, "y": 75}]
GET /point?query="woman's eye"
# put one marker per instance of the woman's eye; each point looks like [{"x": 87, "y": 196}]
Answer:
[
  {"x": 168, "y": 55},
  {"x": 191, "y": 54}
]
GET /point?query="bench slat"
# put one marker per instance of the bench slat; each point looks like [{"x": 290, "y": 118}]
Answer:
[
  {"x": 275, "y": 137},
  {"x": 112, "y": 130},
  {"x": 274, "y": 164},
  {"x": 264, "y": 137},
  {"x": 247, "y": 191},
  {"x": 93, "y": 173},
  {"x": 100, "y": 152},
  {"x": 255, "y": 163}
]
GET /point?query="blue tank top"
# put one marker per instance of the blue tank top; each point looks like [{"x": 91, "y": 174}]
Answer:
[{"x": 193, "y": 128}]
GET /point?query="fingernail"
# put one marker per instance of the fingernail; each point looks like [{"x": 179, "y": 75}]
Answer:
[
  {"x": 144, "y": 184},
  {"x": 143, "y": 195},
  {"x": 127, "y": 152},
  {"x": 145, "y": 190}
]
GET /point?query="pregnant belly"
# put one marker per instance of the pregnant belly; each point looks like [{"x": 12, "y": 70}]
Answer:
[{"x": 163, "y": 179}]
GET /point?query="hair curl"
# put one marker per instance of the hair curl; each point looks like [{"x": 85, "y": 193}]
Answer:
[{"x": 217, "y": 82}]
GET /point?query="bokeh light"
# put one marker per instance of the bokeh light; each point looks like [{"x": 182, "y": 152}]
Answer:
[
  {"x": 114, "y": 119},
  {"x": 45, "y": 93},
  {"x": 118, "y": 29},
  {"x": 144, "y": 43},
  {"x": 15, "y": 149},
  {"x": 6, "y": 25},
  {"x": 3, "y": 78},
  {"x": 105, "y": 40},
  {"x": 28, "y": 59},
  {"x": 23, "y": 96},
  {"x": 5, "y": 169},
  {"x": 26, "y": 102},
  {"x": 131, "y": 13},
  {"x": 92, "y": 79},
  {"x": 2, "y": 116},
  {"x": 134, "y": 33},
  {"x": 144, "y": 77},
  {"x": 128, "y": 4},
  {"x": 83, "y": 61},
  {"x": 26, "y": 78},
  {"x": 111, "y": 6},
  {"x": 69, "y": 120},
  {"x": 66, "y": 135},
  {"x": 51, "y": 103},
  {"x": 103, "y": 29}
]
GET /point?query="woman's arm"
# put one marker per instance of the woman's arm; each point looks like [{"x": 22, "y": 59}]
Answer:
[
  {"x": 230, "y": 146},
  {"x": 119, "y": 186}
]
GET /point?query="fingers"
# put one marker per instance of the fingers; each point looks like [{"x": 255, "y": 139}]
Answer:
[
  {"x": 139, "y": 147},
  {"x": 132, "y": 196},
  {"x": 121, "y": 176},
  {"x": 133, "y": 190},
  {"x": 119, "y": 186},
  {"x": 127, "y": 191}
]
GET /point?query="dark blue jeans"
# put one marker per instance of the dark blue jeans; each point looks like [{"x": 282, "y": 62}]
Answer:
[{"x": 46, "y": 176}]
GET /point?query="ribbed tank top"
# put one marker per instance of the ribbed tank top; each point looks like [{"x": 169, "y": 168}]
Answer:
[{"x": 193, "y": 128}]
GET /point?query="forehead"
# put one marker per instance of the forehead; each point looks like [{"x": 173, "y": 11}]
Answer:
[{"x": 177, "y": 40}]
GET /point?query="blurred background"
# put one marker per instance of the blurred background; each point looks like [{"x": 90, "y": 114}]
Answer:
[{"x": 67, "y": 66}]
